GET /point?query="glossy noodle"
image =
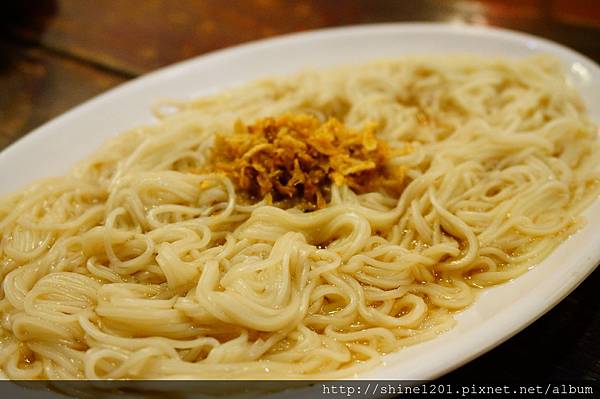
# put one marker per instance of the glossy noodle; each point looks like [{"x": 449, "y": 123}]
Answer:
[{"x": 142, "y": 262}]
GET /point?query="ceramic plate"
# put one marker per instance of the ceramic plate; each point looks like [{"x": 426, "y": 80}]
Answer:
[{"x": 498, "y": 313}]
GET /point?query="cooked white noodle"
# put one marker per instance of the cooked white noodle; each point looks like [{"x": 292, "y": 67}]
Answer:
[{"x": 130, "y": 267}]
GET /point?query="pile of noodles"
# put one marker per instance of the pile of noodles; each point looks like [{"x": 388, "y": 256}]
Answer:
[{"x": 131, "y": 267}]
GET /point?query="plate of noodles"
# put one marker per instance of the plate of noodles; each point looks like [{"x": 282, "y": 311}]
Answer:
[{"x": 385, "y": 201}]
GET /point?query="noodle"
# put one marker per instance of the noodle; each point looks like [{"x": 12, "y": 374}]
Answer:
[{"x": 133, "y": 266}]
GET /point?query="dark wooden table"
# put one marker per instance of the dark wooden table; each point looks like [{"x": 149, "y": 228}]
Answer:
[{"x": 55, "y": 54}]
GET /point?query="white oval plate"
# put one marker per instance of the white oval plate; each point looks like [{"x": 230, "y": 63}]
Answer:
[{"x": 498, "y": 313}]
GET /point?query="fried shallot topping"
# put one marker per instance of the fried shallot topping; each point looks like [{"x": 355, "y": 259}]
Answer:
[{"x": 294, "y": 159}]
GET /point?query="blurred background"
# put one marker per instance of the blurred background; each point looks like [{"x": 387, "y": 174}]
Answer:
[{"x": 54, "y": 54}]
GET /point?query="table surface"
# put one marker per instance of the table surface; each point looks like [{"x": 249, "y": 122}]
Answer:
[{"x": 57, "y": 53}]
